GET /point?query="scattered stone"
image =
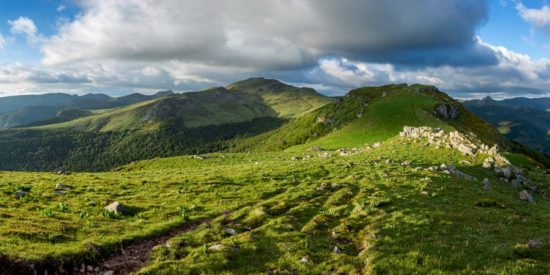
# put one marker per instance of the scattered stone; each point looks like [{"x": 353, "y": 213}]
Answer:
[
  {"x": 525, "y": 196},
  {"x": 465, "y": 162},
  {"x": 304, "y": 260},
  {"x": 534, "y": 244},
  {"x": 230, "y": 231},
  {"x": 406, "y": 163},
  {"x": 109, "y": 272},
  {"x": 388, "y": 161},
  {"x": 486, "y": 184},
  {"x": 116, "y": 207},
  {"x": 425, "y": 193},
  {"x": 216, "y": 247},
  {"x": 90, "y": 268},
  {"x": 91, "y": 203},
  {"x": 336, "y": 250},
  {"x": 20, "y": 194},
  {"x": 506, "y": 172},
  {"x": 376, "y": 145}
]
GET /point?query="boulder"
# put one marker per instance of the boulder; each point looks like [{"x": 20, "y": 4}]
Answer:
[
  {"x": 525, "y": 196},
  {"x": 116, "y": 207},
  {"x": 20, "y": 193},
  {"x": 304, "y": 260}
]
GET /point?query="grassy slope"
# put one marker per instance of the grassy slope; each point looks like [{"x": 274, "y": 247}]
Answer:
[
  {"x": 285, "y": 210},
  {"x": 383, "y": 113},
  {"x": 286, "y": 100},
  {"x": 243, "y": 102},
  {"x": 381, "y": 220}
]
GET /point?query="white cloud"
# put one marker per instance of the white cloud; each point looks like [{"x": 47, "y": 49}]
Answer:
[
  {"x": 61, "y": 8},
  {"x": 539, "y": 18},
  {"x": 2, "y": 41},
  {"x": 25, "y": 26},
  {"x": 263, "y": 34},
  {"x": 515, "y": 74}
]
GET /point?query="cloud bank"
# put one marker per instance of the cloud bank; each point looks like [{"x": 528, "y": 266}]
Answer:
[{"x": 337, "y": 45}]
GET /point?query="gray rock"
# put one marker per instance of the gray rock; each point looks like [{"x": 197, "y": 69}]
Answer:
[
  {"x": 20, "y": 193},
  {"x": 108, "y": 272},
  {"x": 216, "y": 247},
  {"x": 304, "y": 260},
  {"x": 336, "y": 250},
  {"x": 535, "y": 244},
  {"x": 446, "y": 111},
  {"x": 506, "y": 172},
  {"x": 406, "y": 163},
  {"x": 230, "y": 231},
  {"x": 525, "y": 196},
  {"x": 61, "y": 186},
  {"x": 486, "y": 184},
  {"x": 116, "y": 207}
]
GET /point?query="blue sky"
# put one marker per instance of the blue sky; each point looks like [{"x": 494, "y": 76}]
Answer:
[{"x": 470, "y": 48}]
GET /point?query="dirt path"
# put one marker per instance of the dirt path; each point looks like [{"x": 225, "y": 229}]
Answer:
[{"x": 134, "y": 256}]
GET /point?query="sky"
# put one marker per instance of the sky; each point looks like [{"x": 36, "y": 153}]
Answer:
[{"x": 468, "y": 48}]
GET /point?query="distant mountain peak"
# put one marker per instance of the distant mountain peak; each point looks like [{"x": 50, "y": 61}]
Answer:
[{"x": 257, "y": 82}]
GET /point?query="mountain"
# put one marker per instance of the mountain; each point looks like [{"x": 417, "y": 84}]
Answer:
[
  {"x": 187, "y": 123},
  {"x": 512, "y": 117},
  {"x": 245, "y": 116},
  {"x": 396, "y": 179},
  {"x": 16, "y": 111}
]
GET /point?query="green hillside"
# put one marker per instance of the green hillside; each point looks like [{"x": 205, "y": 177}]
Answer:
[
  {"x": 527, "y": 125},
  {"x": 189, "y": 123},
  {"x": 286, "y": 100},
  {"x": 370, "y": 115},
  {"x": 291, "y": 212}
]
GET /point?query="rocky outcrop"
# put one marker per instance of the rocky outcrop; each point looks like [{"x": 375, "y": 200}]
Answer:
[
  {"x": 446, "y": 111},
  {"x": 469, "y": 145}
]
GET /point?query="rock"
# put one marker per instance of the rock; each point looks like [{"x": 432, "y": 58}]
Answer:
[
  {"x": 90, "y": 268},
  {"x": 425, "y": 193},
  {"x": 388, "y": 161},
  {"x": 108, "y": 272},
  {"x": 336, "y": 250},
  {"x": 116, "y": 207},
  {"x": 216, "y": 247},
  {"x": 61, "y": 186},
  {"x": 534, "y": 244},
  {"x": 443, "y": 166},
  {"x": 488, "y": 163},
  {"x": 20, "y": 194},
  {"x": 406, "y": 163},
  {"x": 525, "y": 196},
  {"x": 304, "y": 260},
  {"x": 506, "y": 172},
  {"x": 230, "y": 231},
  {"x": 446, "y": 111},
  {"x": 486, "y": 184},
  {"x": 466, "y": 150},
  {"x": 376, "y": 145}
]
